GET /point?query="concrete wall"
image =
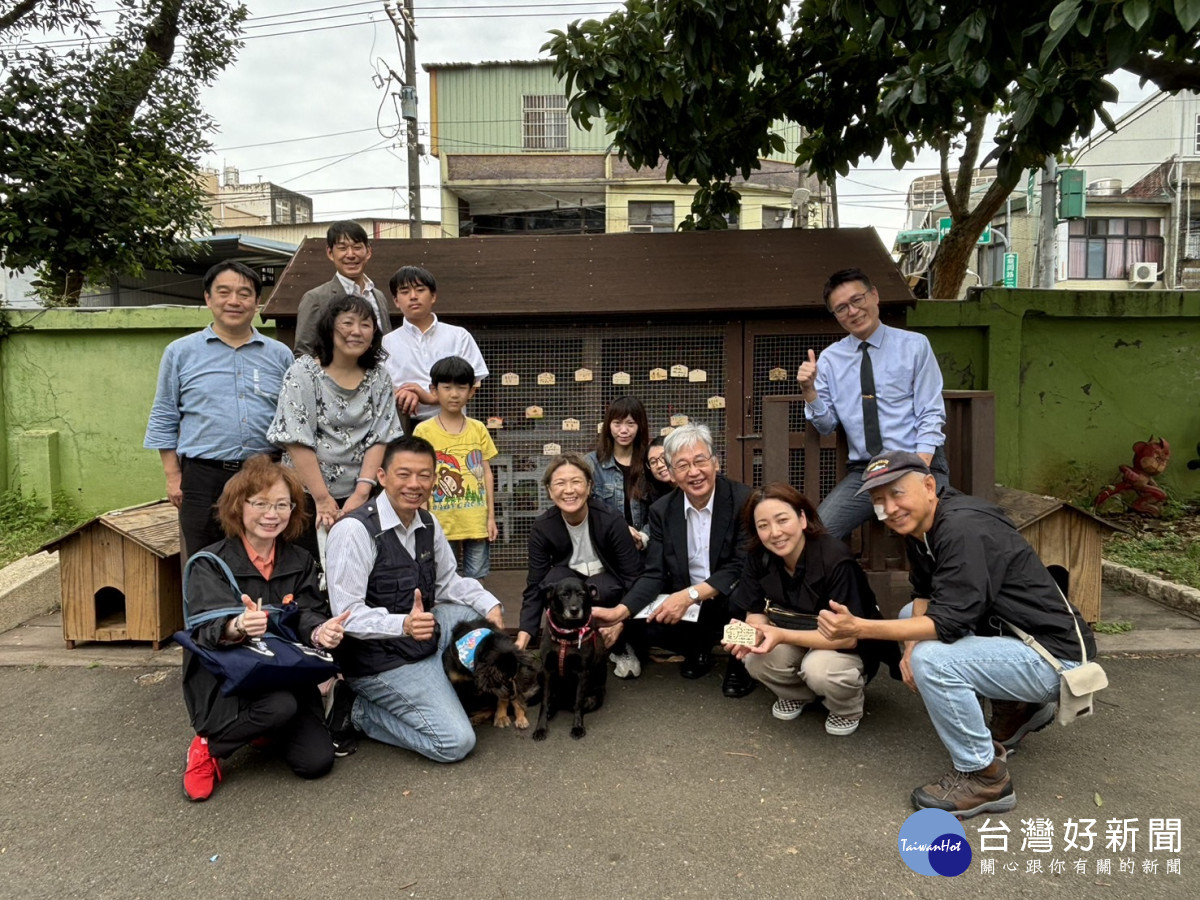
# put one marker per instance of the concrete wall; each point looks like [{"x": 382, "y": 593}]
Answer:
[
  {"x": 75, "y": 393},
  {"x": 1079, "y": 377}
]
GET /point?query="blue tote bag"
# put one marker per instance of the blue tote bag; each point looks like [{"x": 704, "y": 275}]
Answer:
[{"x": 277, "y": 660}]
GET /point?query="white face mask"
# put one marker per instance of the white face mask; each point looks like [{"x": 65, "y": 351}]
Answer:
[{"x": 879, "y": 512}]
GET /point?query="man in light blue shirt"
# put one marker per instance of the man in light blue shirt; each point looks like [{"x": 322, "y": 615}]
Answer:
[
  {"x": 216, "y": 396},
  {"x": 882, "y": 385}
]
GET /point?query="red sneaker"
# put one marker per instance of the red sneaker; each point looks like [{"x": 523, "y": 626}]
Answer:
[{"x": 202, "y": 773}]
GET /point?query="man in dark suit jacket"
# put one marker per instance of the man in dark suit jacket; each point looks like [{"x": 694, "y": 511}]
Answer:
[
  {"x": 695, "y": 556},
  {"x": 349, "y": 249}
]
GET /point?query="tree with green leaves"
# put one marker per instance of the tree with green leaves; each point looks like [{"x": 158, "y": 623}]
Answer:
[
  {"x": 100, "y": 140},
  {"x": 702, "y": 84}
]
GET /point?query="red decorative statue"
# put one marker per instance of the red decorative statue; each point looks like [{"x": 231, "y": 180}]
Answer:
[{"x": 1150, "y": 458}]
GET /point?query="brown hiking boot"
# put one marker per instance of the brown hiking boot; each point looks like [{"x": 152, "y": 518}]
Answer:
[
  {"x": 1012, "y": 720},
  {"x": 966, "y": 794}
]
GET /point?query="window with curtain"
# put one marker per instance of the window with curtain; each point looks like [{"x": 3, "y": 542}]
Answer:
[{"x": 1106, "y": 248}]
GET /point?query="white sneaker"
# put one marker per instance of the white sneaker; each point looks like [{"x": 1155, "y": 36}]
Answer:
[
  {"x": 788, "y": 709},
  {"x": 626, "y": 665}
]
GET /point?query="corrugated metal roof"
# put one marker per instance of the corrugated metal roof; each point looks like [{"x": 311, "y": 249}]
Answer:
[
  {"x": 617, "y": 274},
  {"x": 247, "y": 242},
  {"x": 486, "y": 64},
  {"x": 153, "y": 526}
]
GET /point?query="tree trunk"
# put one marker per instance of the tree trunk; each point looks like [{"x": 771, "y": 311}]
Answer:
[{"x": 949, "y": 268}]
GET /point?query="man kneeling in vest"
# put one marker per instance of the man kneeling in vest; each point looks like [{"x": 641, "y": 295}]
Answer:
[{"x": 390, "y": 565}]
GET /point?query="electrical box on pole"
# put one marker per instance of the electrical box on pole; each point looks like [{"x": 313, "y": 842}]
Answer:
[{"x": 1072, "y": 194}]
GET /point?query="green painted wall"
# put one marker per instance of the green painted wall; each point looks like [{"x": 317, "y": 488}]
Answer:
[
  {"x": 89, "y": 377},
  {"x": 1078, "y": 377},
  {"x": 479, "y": 109}
]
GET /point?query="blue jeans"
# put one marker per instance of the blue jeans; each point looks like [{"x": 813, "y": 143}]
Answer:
[
  {"x": 841, "y": 512},
  {"x": 949, "y": 676},
  {"x": 475, "y": 555},
  {"x": 414, "y": 706}
]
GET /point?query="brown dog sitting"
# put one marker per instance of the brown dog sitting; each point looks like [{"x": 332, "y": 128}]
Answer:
[
  {"x": 489, "y": 672},
  {"x": 574, "y": 658}
]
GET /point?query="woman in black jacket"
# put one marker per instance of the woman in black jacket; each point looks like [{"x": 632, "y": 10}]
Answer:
[
  {"x": 581, "y": 536},
  {"x": 258, "y": 510},
  {"x": 793, "y": 569}
]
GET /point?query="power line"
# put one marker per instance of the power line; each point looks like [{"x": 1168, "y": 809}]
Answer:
[{"x": 71, "y": 43}]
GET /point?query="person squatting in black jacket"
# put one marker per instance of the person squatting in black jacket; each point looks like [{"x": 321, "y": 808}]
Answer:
[
  {"x": 579, "y": 535},
  {"x": 971, "y": 572},
  {"x": 260, "y": 514},
  {"x": 794, "y": 567}
]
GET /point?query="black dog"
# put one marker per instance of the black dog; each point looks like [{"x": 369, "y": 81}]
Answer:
[
  {"x": 574, "y": 658},
  {"x": 488, "y": 672}
]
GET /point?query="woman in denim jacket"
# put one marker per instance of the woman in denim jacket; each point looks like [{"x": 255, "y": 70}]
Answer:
[{"x": 619, "y": 464}]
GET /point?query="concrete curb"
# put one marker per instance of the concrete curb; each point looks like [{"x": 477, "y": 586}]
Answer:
[
  {"x": 28, "y": 588},
  {"x": 1177, "y": 596}
]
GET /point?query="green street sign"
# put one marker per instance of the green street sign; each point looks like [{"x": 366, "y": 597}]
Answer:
[
  {"x": 943, "y": 229},
  {"x": 916, "y": 237},
  {"x": 1010, "y": 270}
]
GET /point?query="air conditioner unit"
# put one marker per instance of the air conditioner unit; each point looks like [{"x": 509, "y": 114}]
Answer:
[
  {"x": 1143, "y": 273},
  {"x": 641, "y": 229}
]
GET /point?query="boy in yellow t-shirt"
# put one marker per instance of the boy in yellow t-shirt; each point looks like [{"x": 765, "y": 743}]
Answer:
[{"x": 463, "y": 496}]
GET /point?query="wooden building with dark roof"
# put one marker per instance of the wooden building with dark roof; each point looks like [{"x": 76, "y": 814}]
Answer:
[{"x": 699, "y": 325}]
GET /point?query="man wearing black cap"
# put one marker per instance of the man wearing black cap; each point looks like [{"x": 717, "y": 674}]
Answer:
[{"x": 971, "y": 572}]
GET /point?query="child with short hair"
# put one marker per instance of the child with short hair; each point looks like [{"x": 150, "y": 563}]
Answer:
[
  {"x": 463, "y": 496},
  {"x": 421, "y": 341}
]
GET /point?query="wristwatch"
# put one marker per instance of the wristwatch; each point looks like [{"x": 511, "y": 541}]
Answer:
[{"x": 693, "y": 595}]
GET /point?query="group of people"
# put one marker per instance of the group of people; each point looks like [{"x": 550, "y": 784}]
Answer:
[{"x": 361, "y": 445}]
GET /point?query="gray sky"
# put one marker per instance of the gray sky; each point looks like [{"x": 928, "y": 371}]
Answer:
[{"x": 300, "y": 106}]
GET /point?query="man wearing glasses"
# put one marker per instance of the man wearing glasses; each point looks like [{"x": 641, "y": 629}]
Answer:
[
  {"x": 882, "y": 385},
  {"x": 694, "y": 559},
  {"x": 348, "y": 248},
  {"x": 216, "y": 395}
]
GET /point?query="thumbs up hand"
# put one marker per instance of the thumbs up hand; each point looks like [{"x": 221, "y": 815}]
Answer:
[
  {"x": 807, "y": 375},
  {"x": 254, "y": 619},
  {"x": 419, "y": 624}
]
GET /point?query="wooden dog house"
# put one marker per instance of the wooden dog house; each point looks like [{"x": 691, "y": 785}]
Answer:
[
  {"x": 120, "y": 576},
  {"x": 1064, "y": 536}
]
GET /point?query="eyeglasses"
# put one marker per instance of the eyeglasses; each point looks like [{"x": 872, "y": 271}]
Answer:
[
  {"x": 858, "y": 301},
  {"x": 685, "y": 465},
  {"x": 658, "y": 462},
  {"x": 261, "y": 506}
]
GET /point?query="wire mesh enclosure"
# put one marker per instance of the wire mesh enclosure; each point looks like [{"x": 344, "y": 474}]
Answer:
[
  {"x": 550, "y": 384},
  {"x": 782, "y": 354}
]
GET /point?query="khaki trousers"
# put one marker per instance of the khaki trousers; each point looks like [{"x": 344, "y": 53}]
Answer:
[{"x": 797, "y": 673}]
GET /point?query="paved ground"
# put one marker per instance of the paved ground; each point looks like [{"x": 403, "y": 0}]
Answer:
[{"x": 675, "y": 792}]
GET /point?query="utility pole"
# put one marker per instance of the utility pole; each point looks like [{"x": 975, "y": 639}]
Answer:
[
  {"x": 1047, "y": 263},
  {"x": 406, "y": 37}
]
